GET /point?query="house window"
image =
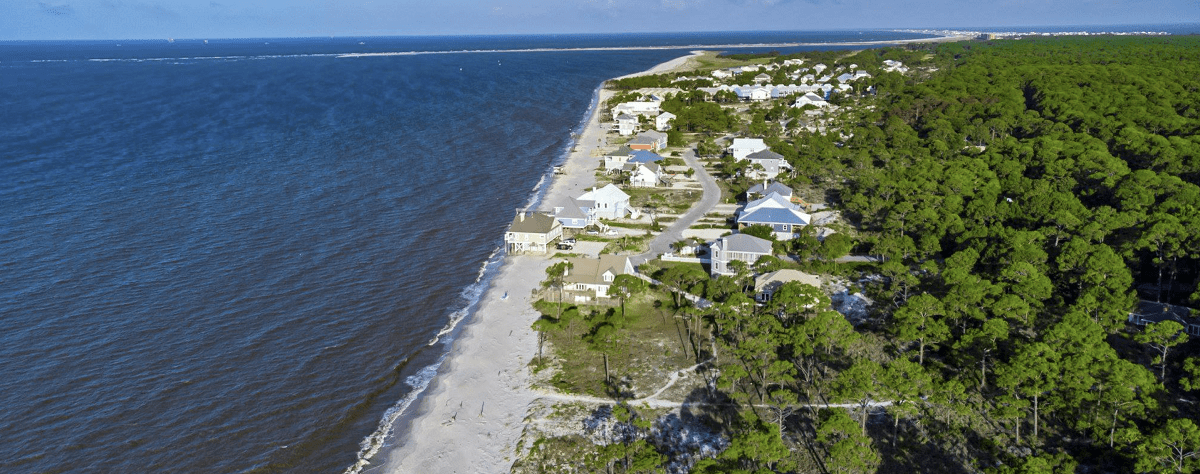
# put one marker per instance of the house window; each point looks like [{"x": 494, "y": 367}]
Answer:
[{"x": 1193, "y": 329}]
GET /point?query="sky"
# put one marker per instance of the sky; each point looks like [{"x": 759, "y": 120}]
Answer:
[{"x": 205, "y": 19}]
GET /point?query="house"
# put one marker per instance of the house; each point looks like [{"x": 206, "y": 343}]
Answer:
[
  {"x": 644, "y": 175},
  {"x": 736, "y": 247},
  {"x": 771, "y": 162},
  {"x": 819, "y": 67},
  {"x": 636, "y": 108},
  {"x": 1150, "y": 312},
  {"x": 752, "y": 93},
  {"x": 627, "y": 124},
  {"x": 763, "y": 189},
  {"x": 722, "y": 74},
  {"x": 571, "y": 215},
  {"x": 662, "y": 123},
  {"x": 783, "y": 216},
  {"x": 608, "y": 202},
  {"x": 616, "y": 159},
  {"x": 892, "y": 65},
  {"x": 742, "y": 147},
  {"x": 767, "y": 284},
  {"x": 532, "y": 232},
  {"x": 762, "y": 78},
  {"x": 643, "y": 156},
  {"x": 649, "y": 140},
  {"x": 810, "y": 98},
  {"x": 591, "y": 278}
]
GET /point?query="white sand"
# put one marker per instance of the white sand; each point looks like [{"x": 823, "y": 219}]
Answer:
[{"x": 472, "y": 415}]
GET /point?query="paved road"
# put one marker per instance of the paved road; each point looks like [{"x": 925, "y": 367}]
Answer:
[{"x": 674, "y": 233}]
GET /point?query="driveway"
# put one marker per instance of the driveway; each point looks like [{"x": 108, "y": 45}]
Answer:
[{"x": 674, "y": 233}]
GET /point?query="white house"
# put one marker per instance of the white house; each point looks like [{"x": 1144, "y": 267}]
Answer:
[
  {"x": 608, "y": 202},
  {"x": 627, "y": 124},
  {"x": 819, "y": 67},
  {"x": 721, "y": 74},
  {"x": 592, "y": 278},
  {"x": 616, "y": 159},
  {"x": 644, "y": 175},
  {"x": 762, "y": 78},
  {"x": 810, "y": 98},
  {"x": 736, "y": 247},
  {"x": 662, "y": 123},
  {"x": 891, "y": 65},
  {"x": 772, "y": 163},
  {"x": 742, "y": 147},
  {"x": 636, "y": 108}
]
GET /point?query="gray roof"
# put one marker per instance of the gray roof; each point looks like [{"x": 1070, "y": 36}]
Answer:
[
  {"x": 624, "y": 150},
  {"x": 774, "y": 187},
  {"x": 533, "y": 223},
  {"x": 764, "y": 155},
  {"x": 746, "y": 243},
  {"x": 643, "y": 140},
  {"x": 774, "y": 215},
  {"x": 653, "y": 134},
  {"x": 571, "y": 211}
]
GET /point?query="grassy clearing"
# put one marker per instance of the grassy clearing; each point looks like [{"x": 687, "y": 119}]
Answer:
[{"x": 643, "y": 348}]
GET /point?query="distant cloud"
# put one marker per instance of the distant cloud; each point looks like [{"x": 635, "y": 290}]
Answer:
[
  {"x": 681, "y": 4},
  {"x": 153, "y": 10},
  {"x": 57, "y": 10}
]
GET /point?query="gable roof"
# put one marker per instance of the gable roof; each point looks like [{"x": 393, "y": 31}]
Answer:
[
  {"x": 653, "y": 134},
  {"x": 532, "y": 223},
  {"x": 644, "y": 156},
  {"x": 771, "y": 200},
  {"x": 774, "y": 215},
  {"x": 571, "y": 211},
  {"x": 777, "y": 278},
  {"x": 624, "y": 150},
  {"x": 642, "y": 140},
  {"x": 591, "y": 270},
  {"x": 774, "y": 187},
  {"x": 745, "y": 243},
  {"x": 764, "y": 154},
  {"x": 748, "y": 144},
  {"x": 608, "y": 193}
]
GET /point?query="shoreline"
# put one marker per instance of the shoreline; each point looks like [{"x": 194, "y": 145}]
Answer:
[
  {"x": 932, "y": 39},
  {"x": 471, "y": 416}
]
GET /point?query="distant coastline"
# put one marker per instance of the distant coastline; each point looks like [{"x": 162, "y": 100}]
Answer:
[{"x": 936, "y": 39}]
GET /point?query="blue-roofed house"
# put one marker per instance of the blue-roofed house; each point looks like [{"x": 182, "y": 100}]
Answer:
[
  {"x": 644, "y": 156},
  {"x": 783, "y": 216}
]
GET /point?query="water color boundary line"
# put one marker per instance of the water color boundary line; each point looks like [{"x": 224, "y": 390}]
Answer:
[{"x": 652, "y": 48}]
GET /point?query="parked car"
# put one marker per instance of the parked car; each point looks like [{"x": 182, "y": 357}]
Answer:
[{"x": 610, "y": 232}]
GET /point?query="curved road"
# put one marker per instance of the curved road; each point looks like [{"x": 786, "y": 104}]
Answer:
[{"x": 674, "y": 233}]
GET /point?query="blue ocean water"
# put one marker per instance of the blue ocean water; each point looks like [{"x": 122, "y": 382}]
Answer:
[{"x": 241, "y": 256}]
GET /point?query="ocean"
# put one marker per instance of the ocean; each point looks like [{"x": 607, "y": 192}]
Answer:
[{"x": 250, "y": 256}]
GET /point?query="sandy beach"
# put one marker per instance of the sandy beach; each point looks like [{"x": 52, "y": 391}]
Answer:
[{"x": 472, "y": 415}]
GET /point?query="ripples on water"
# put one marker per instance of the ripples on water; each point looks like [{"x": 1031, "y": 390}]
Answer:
[{"x": 236, "y": 266}]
